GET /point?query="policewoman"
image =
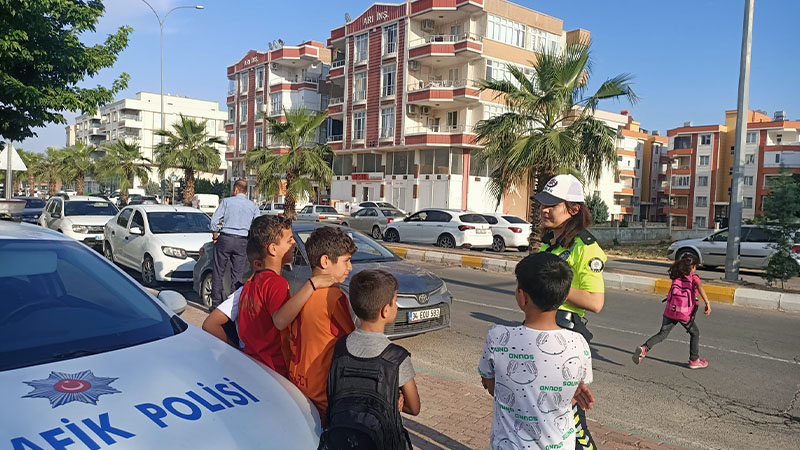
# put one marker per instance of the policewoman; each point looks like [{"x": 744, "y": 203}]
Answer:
[{"x": 565, "y": 219}]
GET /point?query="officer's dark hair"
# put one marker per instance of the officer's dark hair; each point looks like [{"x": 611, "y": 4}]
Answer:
[
  {"x": 575, "y": 224},
  {"x": 546, "y": 279},
  {"x": 329, "y": 241},
  {"x": 370, "y": 291},
  {"x": 265, "y": 230},
  {"x": 240, "y": 185}
]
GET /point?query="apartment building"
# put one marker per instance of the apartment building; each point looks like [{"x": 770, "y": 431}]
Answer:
[
  {"x": 265, "y": 84},
  {"x": 629, "y": 191},
  {"x": 701, "y": 165},
  {"x": 404, "y": 99},
  {"x": 137, "y": 119}
]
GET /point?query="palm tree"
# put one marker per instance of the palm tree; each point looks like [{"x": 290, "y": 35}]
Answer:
[
  {"x": 33, "y": 162},
  {"x": 550, "y": 127},
  {"x": 77, "y": 163},
  {"x": 124, "y": 161},
  {"x": 295, "y": 171},
  {"x": 189, "y": 147},
  {"x": 50, "y": 169}
]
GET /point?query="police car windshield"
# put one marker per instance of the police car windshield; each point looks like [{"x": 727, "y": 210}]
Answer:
[
  {"x": 87, "y": 208},
  {"x": 61, "y": 300}
]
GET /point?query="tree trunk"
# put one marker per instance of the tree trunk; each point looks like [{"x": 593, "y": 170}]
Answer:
[
  {"x": 31, "y": 182},
  {"x": 537, "y": 179},
  {"x": 51, "y": 187},
  {"x": 289, "y": 201},
  {"x": 188, "y": 188},
  {"x": 123, "y": 197},
  {"x": 79, "y": 184}
]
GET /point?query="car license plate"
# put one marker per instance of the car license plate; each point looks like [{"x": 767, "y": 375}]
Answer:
[
  {"x": 425, "y": 314},
  {"x": 481, "y": 230}
]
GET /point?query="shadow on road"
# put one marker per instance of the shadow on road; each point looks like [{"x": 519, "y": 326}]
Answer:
[
  {"x": 628, "y": 353},
  {"x": 494, "y": 319},
  {"x": 478, "y": 286},
  {"x": 440, "y": 441}
]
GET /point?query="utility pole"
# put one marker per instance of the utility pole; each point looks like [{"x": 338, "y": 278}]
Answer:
[
  {"x": 9, "y": 171},
  {"x": 735, "y": 216}
]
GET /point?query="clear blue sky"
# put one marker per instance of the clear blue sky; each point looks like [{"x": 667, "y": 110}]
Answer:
[{"x": 683, "y": 53}]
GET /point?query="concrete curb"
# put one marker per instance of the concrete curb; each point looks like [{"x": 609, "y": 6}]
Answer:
[{"x": 754, "y": 298}]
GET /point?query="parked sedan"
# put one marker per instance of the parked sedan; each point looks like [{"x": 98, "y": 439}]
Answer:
[
  {"x": 271, "y": 209},
  {"x": 509, "y": 231},
  {"x": 320, "y": 213},
  {"x": 142, "y": 200},
  {"x": 80, "y": 217},
  {"x": 92, "y": 356},
  {"x": 423, "y": 298},
  {"x": 33, "y": 209},
  {"x": 756, "y": 247},
  {"x": 372, "y": 220},
  {"x": 446, "y": 228},
  {"x": 382, "y": 205},
  {"x": 161, "y": 241}
]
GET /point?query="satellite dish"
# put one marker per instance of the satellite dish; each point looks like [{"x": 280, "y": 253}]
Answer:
[
  {"x": 280, "y": 41},
  {"x": 274, "y": 44},
  {"x": 347, "y": 17},
  {"x": 270, "y": 46}
]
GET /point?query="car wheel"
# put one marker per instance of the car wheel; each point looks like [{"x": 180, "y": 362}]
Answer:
[
  {"x": 686, "y": 252},
  {"x": 498, "y": 244},
  {"x": 524, "y": 248},
  {"x": 205, "y": 289},
  {"x": 446, "y": 241},
  {"x": 391, "y": 235},
  {"x": 107, "y": 252},
  {"x": 707, "y": 267},
  {"x": 345, "y": 224},
  {"x": 148, "y": 272},
  {"x": 376, "y": 232}
]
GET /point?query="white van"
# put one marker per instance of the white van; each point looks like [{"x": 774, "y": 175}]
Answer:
[{"x": 207, "y": 203}]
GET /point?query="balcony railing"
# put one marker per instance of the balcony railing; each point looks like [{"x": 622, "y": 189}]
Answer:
[
  {"x": 335, "y": 101},
  {"x": 389, "y": 48},
  {"x": 337, "y": 64},
  {"x": 359, "y": 96},
  {"x": 422, "y": 85},
  {"x": 334, "y": 138},
  {"x": 447, "y": 38},
  {"x": 388, "y": 90},
  {"x": 453, "y": 129},
  {"x": 128, "y": 117},
  {"x": 387, "y": 132}
]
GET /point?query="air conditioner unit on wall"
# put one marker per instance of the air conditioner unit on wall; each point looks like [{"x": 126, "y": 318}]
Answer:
[
  {"x": 411, "y": 109},
  {"x": 428, "y": 24},
  {"x": 413, "y": 65},
  {"x": 425, "y": 109}
]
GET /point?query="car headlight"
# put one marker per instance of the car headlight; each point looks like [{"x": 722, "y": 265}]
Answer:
[
  {"x": 174, "y": 252},
  {"x": 80, "y": 229}
]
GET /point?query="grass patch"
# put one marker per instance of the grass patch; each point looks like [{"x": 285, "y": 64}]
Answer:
[{"x": 656, "y": 251}]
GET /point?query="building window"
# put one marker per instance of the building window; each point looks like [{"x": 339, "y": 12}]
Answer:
[
  {"x": 702, "y": 181},
  {"x": 259, "y": 78},
  {"x": 748, "y": 180},
  {"x": 544, "y": 42},
  {"x": 434, "y": 161},
  {"x": 259, "y": 106},
  {"x": 704, "y": 160},
  {"x": 243, "y": 111},
  {"x": 701, "y": 201},
  {"x": 243, "y": 81},
  {"x": 752, "y": 137},
  {"x": 491, "y": 111},
  {"x": 390, "y": 39},
  {"x": 747, "y": 202},
  {"x": 681, "y": 181},
  {"x": 361, "y": 47},
  {"x": 368, "y": 162},
  {"x": 387, "y": 122},
  {"x": 400, "y": 163},
  {"x": 699, "y": 222},
  {"x": 360, "y": 86},
  {"x": 683, "y": 142},
  {"x": 456, "y": 161},
  {"x": 358, "y": 125},
  {"x": 243, "y": 141},
  {"x": 777, "y": 158},
  {"x": 750, "y": 159},
  {"x": 452, "y": 120},
  {"x": 498, "y": 71},
  {"x": 231, "y": 113},
  {"x": 705, "y": 139},
  {"x": 231, "y": 87},
  {"x": 506, "y": 31},
  {"x": 259, "y": 132},
  {"x": 389, "y": 80},
  {"x": 343, "y": 164},
  {"x": 275, "y": 103},
  {"x": 638, "y": 163}
]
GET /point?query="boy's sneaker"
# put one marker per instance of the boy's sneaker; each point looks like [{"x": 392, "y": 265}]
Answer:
[
  {"x": 699, "y": 363},
  {"x": 639, "y": 354}
]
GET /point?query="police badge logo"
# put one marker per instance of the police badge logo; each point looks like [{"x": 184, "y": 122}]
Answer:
[
  {"x": 62, "y": 388},
  {"x": 550, "y": 185},
  {"x": 596, "y": 265}
]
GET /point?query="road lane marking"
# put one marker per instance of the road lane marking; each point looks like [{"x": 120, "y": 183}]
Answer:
[{"x": 770, "y": 358}]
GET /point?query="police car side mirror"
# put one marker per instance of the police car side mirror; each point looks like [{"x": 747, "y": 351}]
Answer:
[{"x": 173, "y": 300}]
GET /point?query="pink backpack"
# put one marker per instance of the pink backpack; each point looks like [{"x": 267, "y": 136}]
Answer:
[{"x": 681, "y": 299}]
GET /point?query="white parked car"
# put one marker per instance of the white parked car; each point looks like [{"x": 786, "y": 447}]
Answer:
[
  {"x": 161, "y": 241},
  {"x": 91, "y": 358},
  {"x": 509, "y": 231},
  {"x": 320, "y": 213},
  {"x": 447, "y": 228},
  {"x": 207, "y": 203},
  {"x": 756, "y": 247},
  {"x": 80, "y": 217},
  {"x": 271, "y": 209}
]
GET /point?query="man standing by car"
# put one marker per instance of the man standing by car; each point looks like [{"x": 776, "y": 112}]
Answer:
[{"x": 230, "y": 242}]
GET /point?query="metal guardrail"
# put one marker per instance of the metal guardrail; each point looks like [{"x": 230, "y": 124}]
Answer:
[
  {"x": 422, "y": 85},
  {"x": 334, "y": 138},
  {"x": 337, "y": 64},
  {"x": 447, "y": 129},
  {"x": 335, "y": 101},
  {"x": 447, "y": 38}
]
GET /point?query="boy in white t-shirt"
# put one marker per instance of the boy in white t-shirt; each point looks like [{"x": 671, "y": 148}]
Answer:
[
  {"x": 535, "y": 371},
  {"x": 221, "y": 322}
]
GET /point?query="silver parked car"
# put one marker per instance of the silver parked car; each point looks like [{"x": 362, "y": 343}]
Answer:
[
  {"x": 757, "y": 245},
  {"x": 423, "y": 299},
  {"x": 320, "y": 213},
  {"x": 372, "y": 220}
]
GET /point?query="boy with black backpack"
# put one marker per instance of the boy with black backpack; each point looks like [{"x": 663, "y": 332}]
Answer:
[{"x": 371, "y": 379}]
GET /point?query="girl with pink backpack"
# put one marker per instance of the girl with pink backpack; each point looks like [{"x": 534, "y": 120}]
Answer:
[{"x": 681, "y": 309}]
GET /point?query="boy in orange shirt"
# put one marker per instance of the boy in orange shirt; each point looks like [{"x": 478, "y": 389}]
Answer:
[
  {"x": 324, "y": 318},
  {"x": 265, "y": 307}
]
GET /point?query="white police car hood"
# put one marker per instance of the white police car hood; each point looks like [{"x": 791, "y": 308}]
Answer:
[{"x": 189, "y": 391}]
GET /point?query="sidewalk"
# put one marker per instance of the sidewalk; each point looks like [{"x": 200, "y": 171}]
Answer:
[
  {"x": 621, "y": 279},
  {"x": 457, "y": 415}
]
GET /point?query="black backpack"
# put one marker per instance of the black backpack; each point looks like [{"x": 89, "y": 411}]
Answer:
[{"x": 362, "y": 401}]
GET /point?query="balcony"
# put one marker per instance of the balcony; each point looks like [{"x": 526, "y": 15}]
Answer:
[
  {"x": 625, "y": 191},
  {"x": 435, "y": 7},
  {"x": 447, "y": 49},
  {"x": 337, "y": 69},
  {"x": 440, "y": 135},
  {"x": 337, "y": 64},
  {"x": 435, "y": 92},
  {"x": 334, "y": 138},
  {"x": 335, "y": 101},
  {"x": 294, "y": 56},
  {"x": 294, "y": 84},
  {"x": 360, "y": 96}
]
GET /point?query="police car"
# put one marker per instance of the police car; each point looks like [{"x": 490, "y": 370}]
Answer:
[{"x": 90, "y": 359}]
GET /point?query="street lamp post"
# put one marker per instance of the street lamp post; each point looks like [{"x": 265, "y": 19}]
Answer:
[{"x": 161, "y": 26}]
